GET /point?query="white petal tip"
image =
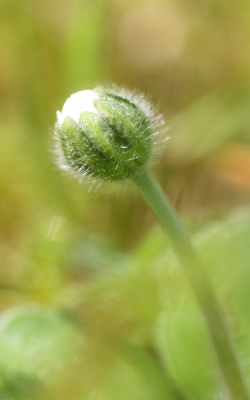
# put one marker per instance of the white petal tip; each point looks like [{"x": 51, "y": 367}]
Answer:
[
  {"x": 78, "y": 103},
  {"x": 59, "y": 117}
]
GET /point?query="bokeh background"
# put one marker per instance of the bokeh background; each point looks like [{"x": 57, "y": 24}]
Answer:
[{"x": 58, "y": 241}]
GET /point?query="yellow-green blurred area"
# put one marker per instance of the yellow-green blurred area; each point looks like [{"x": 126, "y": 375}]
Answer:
[{"x": 93, "y": 303}]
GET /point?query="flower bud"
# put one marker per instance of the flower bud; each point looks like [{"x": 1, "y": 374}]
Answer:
[{"x": 105, "y": 135}]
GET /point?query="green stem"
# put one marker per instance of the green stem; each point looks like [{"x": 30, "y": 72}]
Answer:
[{"x": 205, "y": 296}]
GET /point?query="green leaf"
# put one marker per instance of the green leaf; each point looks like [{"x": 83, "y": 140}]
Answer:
[{"x": 36, "y": 343}]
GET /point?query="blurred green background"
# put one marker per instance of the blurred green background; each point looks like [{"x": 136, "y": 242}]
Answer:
[{"x": 100, "y": 256}]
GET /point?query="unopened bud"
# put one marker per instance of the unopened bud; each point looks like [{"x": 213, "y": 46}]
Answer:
[{"x": 104, "y": 134}]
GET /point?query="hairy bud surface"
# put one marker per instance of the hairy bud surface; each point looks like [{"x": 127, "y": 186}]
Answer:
[{"x": 105, "y": 134}]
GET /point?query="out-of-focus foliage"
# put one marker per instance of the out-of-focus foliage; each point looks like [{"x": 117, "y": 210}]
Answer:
[{"x": 93, "y": 304}]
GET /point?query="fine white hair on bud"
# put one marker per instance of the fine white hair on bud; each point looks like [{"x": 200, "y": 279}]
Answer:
[{"x": 106, "y": 133}]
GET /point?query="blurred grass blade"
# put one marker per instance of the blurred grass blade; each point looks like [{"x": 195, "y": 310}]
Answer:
[{"x": 83, "y": 61}]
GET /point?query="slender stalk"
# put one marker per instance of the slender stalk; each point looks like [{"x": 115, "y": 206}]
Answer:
[{"x": 192, "y": 266}]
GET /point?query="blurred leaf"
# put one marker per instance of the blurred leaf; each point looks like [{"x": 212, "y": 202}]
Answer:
[
  {"x": 21, "y": 387},
  {"x": 124, "y": 373},
  {"x": 38, "y": 347},
  {"x": 186, "y": 351},
  {"x": 180, "y": 333},
  {"x": 208, "y": 123},
  {"x": 35, "y": 343},
  {"x": 225, "y": 249}
]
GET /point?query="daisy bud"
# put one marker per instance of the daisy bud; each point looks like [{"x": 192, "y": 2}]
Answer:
[{"x": 105, "y": 134}]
